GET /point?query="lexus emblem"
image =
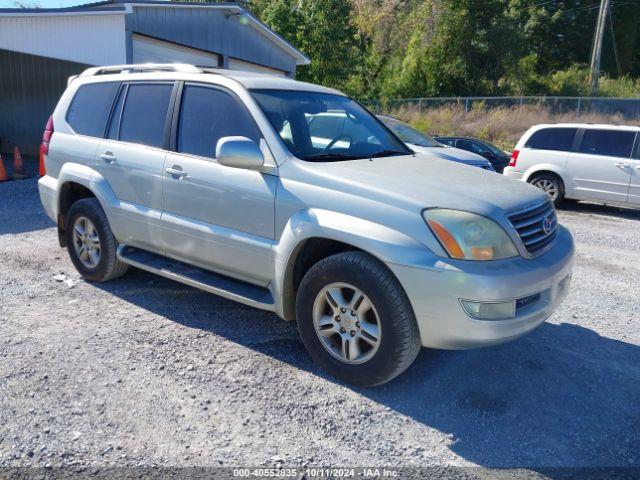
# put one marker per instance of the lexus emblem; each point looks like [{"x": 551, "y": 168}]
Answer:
[{"x": 547, "y": 225}]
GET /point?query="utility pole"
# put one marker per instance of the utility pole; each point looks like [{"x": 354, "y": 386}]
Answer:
[{"x": 596, "y": 54}]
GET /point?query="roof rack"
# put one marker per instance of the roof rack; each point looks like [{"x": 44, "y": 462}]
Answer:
[{"x": 141, "y": 67}]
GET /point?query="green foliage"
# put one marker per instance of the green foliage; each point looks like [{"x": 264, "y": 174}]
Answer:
[
  {"x": 322, "y": 29},
  {"x": 574, "y": 81},
  {"x": 328, "y": 37},
  {"x": 387, "y": 49}
]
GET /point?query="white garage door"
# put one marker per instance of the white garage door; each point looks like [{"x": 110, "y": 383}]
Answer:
[
  {"x": 235, "y": 64},
  {"x": 147, "y": 49}
]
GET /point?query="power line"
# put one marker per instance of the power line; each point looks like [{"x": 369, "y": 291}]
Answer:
[{"x": 525, "y": 20}]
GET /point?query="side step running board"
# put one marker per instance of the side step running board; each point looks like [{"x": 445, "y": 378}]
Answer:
[{"x": 222, "y": 285}]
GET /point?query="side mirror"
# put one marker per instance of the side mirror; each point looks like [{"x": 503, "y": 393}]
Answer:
[{"x": 239, "y": 152}]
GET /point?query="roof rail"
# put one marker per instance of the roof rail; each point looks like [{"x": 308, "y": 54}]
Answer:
[{"x": 141, "y": 67}]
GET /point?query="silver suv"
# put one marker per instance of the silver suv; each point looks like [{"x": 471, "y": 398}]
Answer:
[{"x": 213, "y": 178}]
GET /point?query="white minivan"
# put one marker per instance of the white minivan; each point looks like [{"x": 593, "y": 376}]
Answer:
[{"x": 580, "y": 162}]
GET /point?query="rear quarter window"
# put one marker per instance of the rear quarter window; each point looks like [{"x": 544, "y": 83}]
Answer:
[
  {"x": 559, "y": 139},
  {"x": 89, "y": 110}
]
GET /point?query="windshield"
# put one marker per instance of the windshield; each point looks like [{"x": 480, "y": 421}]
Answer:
[
  {"x": 326, "y": 127},
  {"x": 408, "y": 134}
]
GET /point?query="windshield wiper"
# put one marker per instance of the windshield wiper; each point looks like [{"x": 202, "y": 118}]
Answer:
[
  {"x": 332, "y": 156},
  {"x": 387, "y": 153}
]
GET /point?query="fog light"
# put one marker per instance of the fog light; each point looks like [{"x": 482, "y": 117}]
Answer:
[{"x": 490, "y": 310}]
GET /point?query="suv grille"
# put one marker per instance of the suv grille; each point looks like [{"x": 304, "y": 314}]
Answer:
[{"x": 537, "y": 227}]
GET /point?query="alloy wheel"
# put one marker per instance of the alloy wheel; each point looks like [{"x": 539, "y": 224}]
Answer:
[
  {"x": 347, "y": 323},
  {"x": 86, "y": 242},
  {"x": 548, "y": 186}
]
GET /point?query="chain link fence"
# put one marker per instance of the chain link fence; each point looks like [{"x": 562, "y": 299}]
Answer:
[{"x": 628, "y": 108}]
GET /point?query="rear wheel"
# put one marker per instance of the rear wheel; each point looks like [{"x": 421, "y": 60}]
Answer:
[
  {"x": 355, "y": 319},
  {"x": 92, "y": 246},
  {"x": 550, "y": 184}
]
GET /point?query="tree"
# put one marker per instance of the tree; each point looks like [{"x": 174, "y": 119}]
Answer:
[
  {"x": 377, "y": 49},
  {"x": 322, "y": 29}
]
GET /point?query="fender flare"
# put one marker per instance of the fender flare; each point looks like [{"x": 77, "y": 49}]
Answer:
[
  {"x": 384, "y": 243},
  {"x": 548, "y": 167},
  {"x": 92, "y": 181}
]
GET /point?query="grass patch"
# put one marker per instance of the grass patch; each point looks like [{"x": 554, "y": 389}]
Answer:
[{"x": 502, "y": 126}]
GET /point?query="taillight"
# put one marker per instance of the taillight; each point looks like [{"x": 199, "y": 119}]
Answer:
[
  {"x": 514, "y": 158},
  {"x": 44, "y": 146}
]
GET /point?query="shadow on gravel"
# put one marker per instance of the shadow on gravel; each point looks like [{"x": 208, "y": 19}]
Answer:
[
  {"x": 20, "y": 208},
  {"x": 560, "y": 396},
  {"x": 601, "y": 209}
]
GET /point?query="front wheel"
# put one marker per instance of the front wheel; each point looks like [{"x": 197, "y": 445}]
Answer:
[{"x": 355, "y": 319}]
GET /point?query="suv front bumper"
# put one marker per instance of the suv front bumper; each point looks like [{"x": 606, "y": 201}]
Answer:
[{"x": 436, "y": 295}]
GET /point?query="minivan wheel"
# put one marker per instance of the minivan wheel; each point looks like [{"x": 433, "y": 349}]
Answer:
[
  {"x": 355, "y": 319},
  {"x": 551, "y": 185},
  {"x": 92, "y": 246}
]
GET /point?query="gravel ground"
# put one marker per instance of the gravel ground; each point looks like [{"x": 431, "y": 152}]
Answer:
[{"x": 145, "y": 371}]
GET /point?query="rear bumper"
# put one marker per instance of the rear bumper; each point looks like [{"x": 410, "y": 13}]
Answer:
[
  {"x": 48, "y": 188},
  {"x": 511, "y": 172},
  {"x": 436, "y": 295}
]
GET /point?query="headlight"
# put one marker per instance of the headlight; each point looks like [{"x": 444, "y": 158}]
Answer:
[{"x": 469, "y": 236}]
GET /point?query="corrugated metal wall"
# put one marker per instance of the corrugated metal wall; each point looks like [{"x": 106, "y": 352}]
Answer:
[
  {"x": 212, "y": 30},
  {"x": 97, "y": 39},
  {"x": 30, "y": 87}
]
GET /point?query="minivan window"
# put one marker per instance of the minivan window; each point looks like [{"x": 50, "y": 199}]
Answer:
[
  {"x": 560, "y": 139},
  {"x": 612, "y": 143},
  {"x": 145, "y": 114},
  {"x": 89, "y": 110},
  {"x": 324, "y": 126},
  {"x": 209, "y": 114}
]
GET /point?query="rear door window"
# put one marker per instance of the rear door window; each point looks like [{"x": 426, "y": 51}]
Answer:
[
  {"x": 145, "y": 114},
  {"x": 90, "y": 108},
  {"x": 560, "y": 139},
  {"x": 610, "y": 143},
  {"x": 474, "y": 147},
  {"x": 209, "y": 114}
]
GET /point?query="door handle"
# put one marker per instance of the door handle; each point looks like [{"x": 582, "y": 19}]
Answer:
[
  {"x": 623, "y": 166},
  {"x": 176, "y": 172},
  {"x": 108, "y": 157}
]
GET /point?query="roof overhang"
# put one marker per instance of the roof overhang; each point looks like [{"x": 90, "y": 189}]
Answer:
[{"x": 123, "y": 7}]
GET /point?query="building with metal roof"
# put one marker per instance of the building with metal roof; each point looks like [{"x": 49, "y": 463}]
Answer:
[{"x": 41, "y": 48}]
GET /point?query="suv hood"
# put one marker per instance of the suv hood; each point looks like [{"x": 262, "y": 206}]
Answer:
[
  {"x": 452, "y": 154},
  {"x": 423, "y": 181}
]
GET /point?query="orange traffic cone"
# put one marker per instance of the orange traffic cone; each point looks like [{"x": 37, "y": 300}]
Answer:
[
  {"x": 18, "y": 167},
  {"x": 3, "y": 172}
]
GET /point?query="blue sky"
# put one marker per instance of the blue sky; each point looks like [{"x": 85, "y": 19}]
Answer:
[{"x": 46, "y": 3}]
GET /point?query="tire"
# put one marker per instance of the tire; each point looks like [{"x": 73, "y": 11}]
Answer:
[
  {"x": 548, "y": 182},
  {"x": 108, "y": 266},
  {"x": 398, "y": 336}
]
